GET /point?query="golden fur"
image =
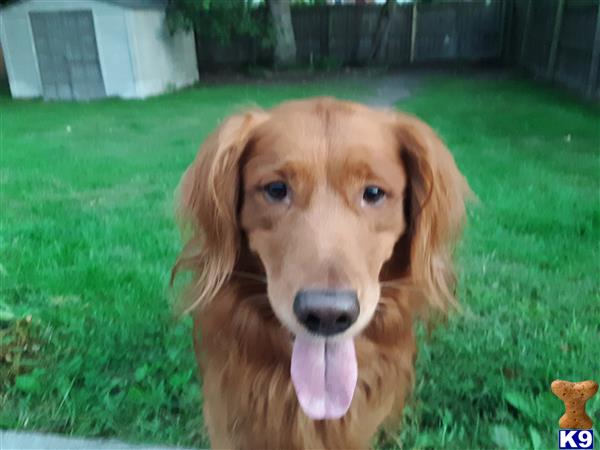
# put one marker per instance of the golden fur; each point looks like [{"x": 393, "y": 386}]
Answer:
[{"x": 250, "y": 257}]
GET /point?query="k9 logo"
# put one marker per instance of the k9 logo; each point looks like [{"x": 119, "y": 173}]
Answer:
[{"x": 576, "y": 439}]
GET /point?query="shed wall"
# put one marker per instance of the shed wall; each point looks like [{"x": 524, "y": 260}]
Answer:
[{"x": 162, "y": 62}]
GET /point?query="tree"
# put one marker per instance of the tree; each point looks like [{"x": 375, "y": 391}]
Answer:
[{"x": 285, "y": 42}]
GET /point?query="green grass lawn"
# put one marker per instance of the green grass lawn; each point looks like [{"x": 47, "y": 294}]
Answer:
[
  {"x": 90, "y": 346},
  {"x": 530, "y": 265}
]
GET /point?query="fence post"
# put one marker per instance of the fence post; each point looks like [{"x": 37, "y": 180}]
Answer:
[
  {"x": 413, "y": 31},
  {"x": 329, "y": 19},
  {"x": 555, "y": 38},
  {"x": 503, "y": 26},
  {"x": 595, "y": 56},
  {"x": 525, "y": 32}
]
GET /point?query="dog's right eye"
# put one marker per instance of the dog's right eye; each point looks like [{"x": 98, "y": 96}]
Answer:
[
  {"x": 373, "y": 195},
  {"x": 276, "y": 191}
]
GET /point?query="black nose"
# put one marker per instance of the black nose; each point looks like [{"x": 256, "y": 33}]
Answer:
[{"x": 326, "y": 312}]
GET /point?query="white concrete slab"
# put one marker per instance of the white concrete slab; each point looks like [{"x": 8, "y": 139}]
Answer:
[{"x": 15, "y": 440}]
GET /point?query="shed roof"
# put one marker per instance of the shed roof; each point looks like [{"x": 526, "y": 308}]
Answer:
[
  {"x": 131, "y": 4},
  {"x": 140, "y": 4}
]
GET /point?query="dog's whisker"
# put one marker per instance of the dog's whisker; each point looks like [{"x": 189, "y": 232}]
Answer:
[{"x": 250, "y": 276}]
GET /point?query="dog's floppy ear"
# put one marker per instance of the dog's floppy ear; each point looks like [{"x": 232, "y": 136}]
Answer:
[
  {"x": 435, "y": 206},
  {"x": 209, "y": 191}
]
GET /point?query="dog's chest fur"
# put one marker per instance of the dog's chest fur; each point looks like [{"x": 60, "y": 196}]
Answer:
[{"x": 249, "y": 400}]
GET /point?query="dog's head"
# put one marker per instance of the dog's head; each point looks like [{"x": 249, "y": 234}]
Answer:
[{"x": 334, "y": 199}]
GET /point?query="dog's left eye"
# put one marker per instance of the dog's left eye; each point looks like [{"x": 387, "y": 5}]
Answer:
[
  {"x": 373, "y": 195},
  {"x": 276, "y": 191}
]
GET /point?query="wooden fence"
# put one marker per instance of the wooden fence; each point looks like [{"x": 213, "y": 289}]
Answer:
[
  {"x": 343, "y": 35},
  {"x": 557, "y": 40}
]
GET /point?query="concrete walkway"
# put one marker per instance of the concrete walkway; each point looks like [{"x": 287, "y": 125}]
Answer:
[
  {"x": 391, "y": 89},
  {"x": 12, "y": 440}
]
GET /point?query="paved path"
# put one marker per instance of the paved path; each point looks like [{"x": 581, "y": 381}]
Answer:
[
  {"x": 398, "y": 85},
  {"x": 11, "y": 440},
  {"x": 391, "y": 89}
]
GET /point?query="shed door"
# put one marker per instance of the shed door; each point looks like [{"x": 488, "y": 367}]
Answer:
[{"x": 65, "y": 43}]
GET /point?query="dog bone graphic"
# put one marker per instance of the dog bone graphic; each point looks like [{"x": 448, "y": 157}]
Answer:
[{"x": 574, "y": 396}]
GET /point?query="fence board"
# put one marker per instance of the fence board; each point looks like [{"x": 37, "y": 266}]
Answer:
[
  {"x": 538, "y": 39},
  {"x": 574, "y": 54},
  {"x": 310, "y": 29},
  {"x": 480, "y": 31},
  {"x": 436, "y": 32},
  {"x": 397, "y": 51},
  {"x": 459, "y": 30},
  {"x": 574, "y": 46}
]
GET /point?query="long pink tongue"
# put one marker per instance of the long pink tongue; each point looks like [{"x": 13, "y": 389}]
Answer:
[{"x": 324, "y": 375}]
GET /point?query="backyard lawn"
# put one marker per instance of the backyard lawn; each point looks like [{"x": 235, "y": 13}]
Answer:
[{"x": 90, "y": 346}]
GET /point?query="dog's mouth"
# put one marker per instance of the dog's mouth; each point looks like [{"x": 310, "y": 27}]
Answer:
[
  {"x": 324, "y": 373},
  {"x": 324, "y": 369}
]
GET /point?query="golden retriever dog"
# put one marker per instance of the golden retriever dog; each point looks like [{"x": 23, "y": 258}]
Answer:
[{"x": 319, "y": 231}]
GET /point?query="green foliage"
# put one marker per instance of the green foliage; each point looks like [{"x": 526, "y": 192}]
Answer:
[
  {"x": 221, "y": 20},
  {"x": 327, "y": 64}
]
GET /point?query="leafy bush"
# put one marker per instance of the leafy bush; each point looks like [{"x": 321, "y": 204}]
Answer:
[{"x": 221, "y": 20}]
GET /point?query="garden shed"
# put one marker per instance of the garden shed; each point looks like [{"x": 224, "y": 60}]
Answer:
[{"x": 86, "y": 49}]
